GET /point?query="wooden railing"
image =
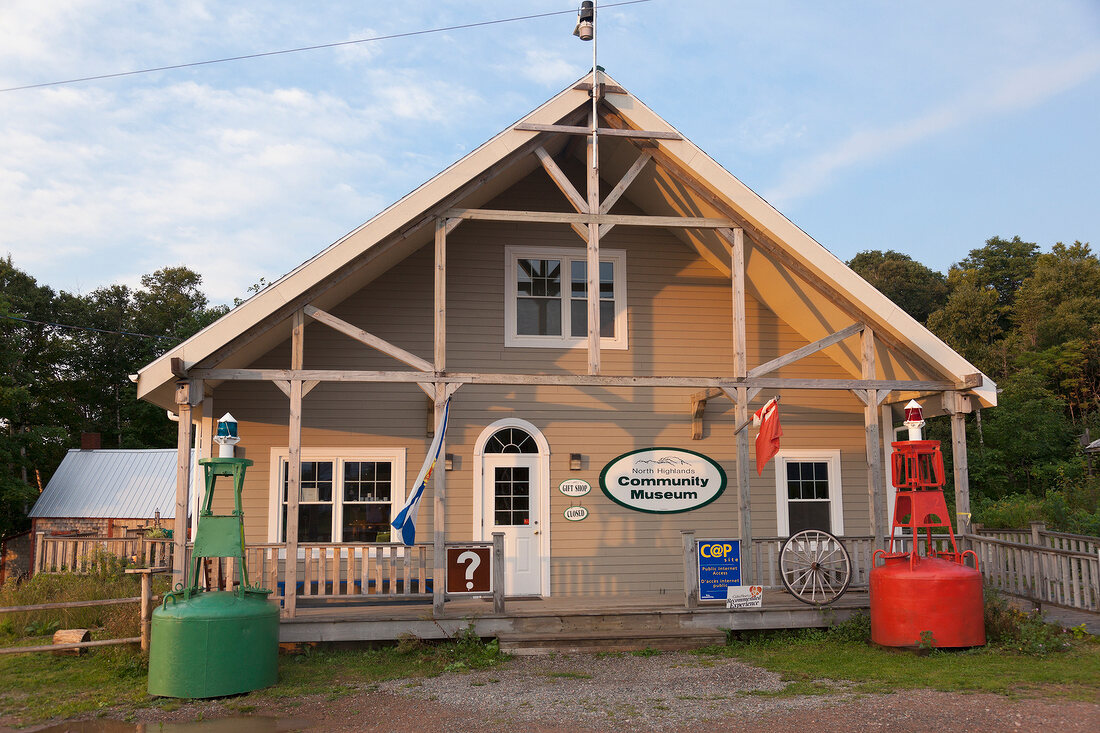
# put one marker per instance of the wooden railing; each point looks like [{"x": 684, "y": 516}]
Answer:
[
  {"x": 83, "y": 554},
  {"x": 333, "y": 570},
  {"x": 1038, "y": 535},
  {"x": 1039, "y": 572}
]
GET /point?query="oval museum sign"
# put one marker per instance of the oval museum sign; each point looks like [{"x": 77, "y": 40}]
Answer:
[{"x": 663, "y": 480}]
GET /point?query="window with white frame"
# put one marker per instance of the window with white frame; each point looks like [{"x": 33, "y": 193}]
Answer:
[
  {"x": 808, "y": 491},
  {"x": 345, "y": 495},
  {"x": 546, "y": 297}
]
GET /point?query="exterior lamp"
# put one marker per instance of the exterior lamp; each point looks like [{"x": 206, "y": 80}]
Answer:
[
  {"x": 914, "y": 419},
  {"x": 226, "y": 436},
  {"x": 448, "y": 461},
  {"x": 585, "y": 28},
  {"x": 574, "y": 461}
]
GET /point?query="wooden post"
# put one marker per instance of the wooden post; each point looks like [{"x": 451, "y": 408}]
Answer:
[
  {"x": 498, "y": 572},
  {"x": 184, "y": 399},
  {"x": 737, "y": 276},
  {"x": 744, "y": 489},
  {"x": 39, "y": 552},
  {"x": 593, "y": 267},
  {"x": 962, "y": 472},
  {"x": 876, "y": 485},
  {"x": 439, "y": 505},
  {"x": 294, "y": 467},
  {"x": 146, "y": 609},
  {"x": 691, "y": 585}
]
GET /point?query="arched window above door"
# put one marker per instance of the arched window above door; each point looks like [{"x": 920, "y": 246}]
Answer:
[{"x": 511, "y": 440}]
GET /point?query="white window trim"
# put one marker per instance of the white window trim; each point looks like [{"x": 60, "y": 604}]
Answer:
[
  {"x": 513, "y": 253},
  {"x": 398, "y": 479},
  {"x": 836, "y": 487}
]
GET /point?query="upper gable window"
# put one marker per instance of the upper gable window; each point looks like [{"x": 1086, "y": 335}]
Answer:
[{"x": 546, "y": 297}]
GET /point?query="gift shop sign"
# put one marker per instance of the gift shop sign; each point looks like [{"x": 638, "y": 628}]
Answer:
[{"x": 663, "y": 480}]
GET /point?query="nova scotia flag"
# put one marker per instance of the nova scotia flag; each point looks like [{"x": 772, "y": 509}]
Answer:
[{"x": 405, "y": 524}]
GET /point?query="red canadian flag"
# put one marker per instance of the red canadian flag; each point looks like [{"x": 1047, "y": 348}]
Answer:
[{"x": 767, "y": 440}]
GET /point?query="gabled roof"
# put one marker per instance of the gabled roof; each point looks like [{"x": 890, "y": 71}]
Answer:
[
  {"x": 787, "y": 270},
  {"x": 117, "y": 484}
]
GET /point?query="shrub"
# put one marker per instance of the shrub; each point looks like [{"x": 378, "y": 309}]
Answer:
[{"x": 1020, "y": 631}]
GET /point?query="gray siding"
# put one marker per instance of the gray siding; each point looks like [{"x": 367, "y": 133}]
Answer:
[{"x": 679, "y": 316}]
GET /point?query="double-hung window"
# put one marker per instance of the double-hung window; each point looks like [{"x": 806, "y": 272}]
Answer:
[
  {"x": 808, "y": 491},
  {"x": 346, "y": 495},
  {"x": 546, "y": 297}
]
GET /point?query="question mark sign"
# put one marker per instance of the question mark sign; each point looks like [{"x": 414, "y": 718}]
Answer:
[{"x": 473, "y": 561}]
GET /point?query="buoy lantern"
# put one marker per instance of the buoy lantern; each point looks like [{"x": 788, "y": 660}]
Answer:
[{"x": 935, "y": 598}]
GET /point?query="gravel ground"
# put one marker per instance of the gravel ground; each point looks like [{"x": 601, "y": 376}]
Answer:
[{"x": 668, "y": 693}]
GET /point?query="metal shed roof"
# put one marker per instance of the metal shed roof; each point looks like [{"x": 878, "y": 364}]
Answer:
[{"x": 118, "y": 484}]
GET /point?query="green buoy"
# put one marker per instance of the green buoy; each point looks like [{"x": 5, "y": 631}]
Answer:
[{"x": 214, "y": 643}]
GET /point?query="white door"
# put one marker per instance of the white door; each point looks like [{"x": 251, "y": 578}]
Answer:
[{"x": 511, "y": 494}]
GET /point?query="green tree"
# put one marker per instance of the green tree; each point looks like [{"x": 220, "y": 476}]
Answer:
[{"x": 917, "y": 289}]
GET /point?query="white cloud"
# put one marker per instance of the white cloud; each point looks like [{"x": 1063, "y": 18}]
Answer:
[
  {"x": 548, "y": 68},
  {"x": 1019, "y": 89}
]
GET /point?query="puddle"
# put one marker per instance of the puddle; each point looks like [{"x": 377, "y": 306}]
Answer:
[{"x": 249, "y": 724}]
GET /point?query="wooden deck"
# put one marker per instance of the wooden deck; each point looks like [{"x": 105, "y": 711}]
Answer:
[{"x": 562, "y": 623}]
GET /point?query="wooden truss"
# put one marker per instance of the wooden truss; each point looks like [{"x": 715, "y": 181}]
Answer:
[{"x": 591, "y": 220}]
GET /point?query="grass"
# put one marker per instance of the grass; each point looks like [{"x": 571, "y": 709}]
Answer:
[
  {"x": 1030, "y": 658},
  {"x": 35, "y": 688}
]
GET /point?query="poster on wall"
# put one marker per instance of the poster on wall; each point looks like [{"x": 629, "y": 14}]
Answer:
[
  {"x": 663, "y": 480},
  {"x": 719, "y": 568}
]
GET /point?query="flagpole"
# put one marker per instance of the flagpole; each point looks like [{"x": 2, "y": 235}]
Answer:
[{"x": 748, "y": 422}]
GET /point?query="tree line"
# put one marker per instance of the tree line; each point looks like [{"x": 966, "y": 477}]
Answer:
[
  {"x": 57, "y": 381},
  {"x": 1031, "y": 321},
  {"x": 1028, "y": 319}
]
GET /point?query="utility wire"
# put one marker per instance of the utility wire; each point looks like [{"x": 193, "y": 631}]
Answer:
[
  {"x": 312, "y": 48},
  {"x": 88, "y": 328}
]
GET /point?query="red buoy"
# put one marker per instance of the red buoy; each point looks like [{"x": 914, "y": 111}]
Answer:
[{"x": 933, "y": 599}]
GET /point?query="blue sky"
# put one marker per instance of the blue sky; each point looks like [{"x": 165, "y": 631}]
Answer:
[{"x": 923, "y": 127}]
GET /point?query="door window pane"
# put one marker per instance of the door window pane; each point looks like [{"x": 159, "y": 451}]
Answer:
[{"x": 512, "y": 489}]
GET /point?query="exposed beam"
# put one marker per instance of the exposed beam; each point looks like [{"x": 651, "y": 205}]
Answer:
[
  {"x": 573, "y": 380},
  {"x": 741, "y": 398},
  {"x": 804, "y": 351},
  {"x": 440, "y": 299},
  {"x": 616, "y": 193},
  {"x": 876, "y": 484},
  {"x": 561, "y": 180},
  {"x": 764, "y": 241},
  {"x": 368, "y": 339},
  {"x": 178, "y": 367},
  {"x": 698, "y": 407},
  {"x": 609, "y": 131},
  {"x": 374, "y": 251},
  {"x": 283, "y": 385},
  {"x": 563, "y": 217},
  {"x": 592, "y": 251},
  {"x": 737, "y": 288},
  {"x": 586, "y": 86}
]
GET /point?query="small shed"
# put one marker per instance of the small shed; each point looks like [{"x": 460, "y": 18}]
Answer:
[{"x": 107, "y": 493}]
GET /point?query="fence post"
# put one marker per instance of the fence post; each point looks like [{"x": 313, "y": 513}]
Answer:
[
  {"x": 498, "y": 572},
  {"x": 39, "y": 552},
  {"x": 691, "y": 589},
  {"x": 1037, "y": 529}
]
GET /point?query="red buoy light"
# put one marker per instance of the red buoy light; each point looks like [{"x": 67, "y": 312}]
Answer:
[{"x": 934, "y": 598}]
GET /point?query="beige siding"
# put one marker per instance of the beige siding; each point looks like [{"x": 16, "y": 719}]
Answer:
[{"x": 679, "y": 316}]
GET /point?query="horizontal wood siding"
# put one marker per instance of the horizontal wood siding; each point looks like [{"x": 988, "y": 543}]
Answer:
[{"x": 679, "y": 324}]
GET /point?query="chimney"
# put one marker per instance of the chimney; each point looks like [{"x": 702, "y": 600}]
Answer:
[{"x": 90, "y": 441}]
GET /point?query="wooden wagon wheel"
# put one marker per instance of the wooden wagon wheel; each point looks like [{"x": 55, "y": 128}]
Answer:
[{"x": 815, "y": 567}]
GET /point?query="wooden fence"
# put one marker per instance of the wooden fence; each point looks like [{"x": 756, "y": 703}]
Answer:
[
  {"x": 377, "y": 570},
  {"x": 1053, "y": 568},
  {"x": 84, "y": 554}
]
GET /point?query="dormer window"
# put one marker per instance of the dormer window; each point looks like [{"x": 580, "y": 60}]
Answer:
[{"x": 546, "y": 298}]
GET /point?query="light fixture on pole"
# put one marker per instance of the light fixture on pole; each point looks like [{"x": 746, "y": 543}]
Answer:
[
  {"x": 585, "y": 28},
  {"x": 914, "y": 419},
  {"x": 227, "y": 436}
]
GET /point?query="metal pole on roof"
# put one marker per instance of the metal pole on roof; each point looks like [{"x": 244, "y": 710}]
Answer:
[{"x": 595, "y": 97}]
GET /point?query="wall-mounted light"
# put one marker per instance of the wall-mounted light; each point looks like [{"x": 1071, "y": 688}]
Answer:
[
  {"x": 574, "y": 461},
  {"x": 448, "y": 461}
]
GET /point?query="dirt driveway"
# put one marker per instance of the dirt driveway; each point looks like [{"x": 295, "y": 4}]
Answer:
[{"x": 671, "y": 692}]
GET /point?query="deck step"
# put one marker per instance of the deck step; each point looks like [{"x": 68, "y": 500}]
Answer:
[{"x": 530, "y": 644}]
